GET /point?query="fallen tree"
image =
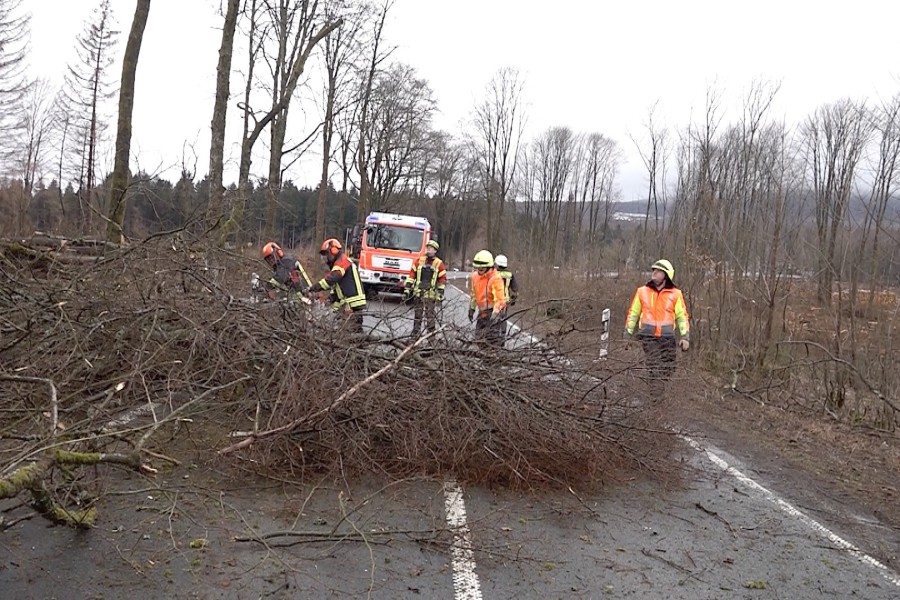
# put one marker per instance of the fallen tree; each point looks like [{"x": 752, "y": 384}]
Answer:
[{"x": 149, "y": 341}]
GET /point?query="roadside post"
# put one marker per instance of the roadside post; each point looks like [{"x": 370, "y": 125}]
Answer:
[{"x": 604, "y": 334}]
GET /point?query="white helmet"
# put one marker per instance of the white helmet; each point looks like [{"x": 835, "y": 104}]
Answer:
[{"x": 500, "y": 261}]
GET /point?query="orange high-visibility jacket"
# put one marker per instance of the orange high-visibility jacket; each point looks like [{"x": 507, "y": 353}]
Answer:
[
  {"x": 487, "y": 293},
  {"x": 657, "y": 313}
]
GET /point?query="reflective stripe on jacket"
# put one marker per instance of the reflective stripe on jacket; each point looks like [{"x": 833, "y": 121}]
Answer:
[
  {"x": 487, "y": 292},
  {"x": 427, "y": 279},
  {"x": 290, "y": 276},
  {"x": 657, "y": 313},
  {"x": 343, "y": 281},
  {"x": 509, "y": 284}
]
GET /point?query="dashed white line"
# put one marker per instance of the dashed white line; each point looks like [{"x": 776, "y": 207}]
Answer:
[
  {"x": 793, "y": 511},
  {"x": 465, "y": 581}
]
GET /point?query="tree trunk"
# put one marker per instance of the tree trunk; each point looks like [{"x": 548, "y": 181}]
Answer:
[
  {"x": 216, "y": 207},
  {"x": 116, "y": 209}
]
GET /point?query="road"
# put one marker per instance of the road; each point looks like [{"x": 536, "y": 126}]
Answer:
[{"x": 727, "y": 533}]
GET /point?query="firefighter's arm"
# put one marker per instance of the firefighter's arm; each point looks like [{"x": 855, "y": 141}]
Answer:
[
  {"x": 331, "y": 278},
  {"x": 634, "y": 313},
  {"x": 410, "y": 282},
  {"x": 682, "y": 319},
  {"x": 498, "y": 292},
  {"x": 473, "y": 300},
  {"x": 305, "y": 281}
]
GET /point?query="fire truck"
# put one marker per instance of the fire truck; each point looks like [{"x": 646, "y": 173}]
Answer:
[{"x": 385, "y": 247}]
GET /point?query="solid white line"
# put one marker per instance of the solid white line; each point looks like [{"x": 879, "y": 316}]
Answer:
[
  {"x": 791, "y": 510},
  {"x": 465, "y": 581}
]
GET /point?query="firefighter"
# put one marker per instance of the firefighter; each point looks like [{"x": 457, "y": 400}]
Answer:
[
  {"x": 288, "y": 274},
  {"x": 510, "y": 285},
  {"x": 487, "y": 298},
  {"x": 425, "y": 288},
  {"x": 657, "y": 315},
  {"x": 342, "y": 281}
]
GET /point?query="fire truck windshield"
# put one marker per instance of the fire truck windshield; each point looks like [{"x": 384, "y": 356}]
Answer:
[{"x": 392, "y": 237}]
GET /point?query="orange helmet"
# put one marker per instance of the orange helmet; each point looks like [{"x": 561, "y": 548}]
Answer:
[
  {"x": 272, "y": 248},
  {"x": 331, "y": 248}
]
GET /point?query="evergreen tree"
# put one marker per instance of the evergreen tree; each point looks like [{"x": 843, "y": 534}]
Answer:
[
  {"x": 14, "y": 34},
  {"x": 87, "y": 88}
]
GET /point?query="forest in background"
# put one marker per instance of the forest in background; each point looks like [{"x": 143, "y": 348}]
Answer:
[{"x": 771, "y": 225}]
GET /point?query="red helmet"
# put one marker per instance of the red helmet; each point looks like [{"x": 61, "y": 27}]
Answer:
[
  {"x": 331, "y": 248},
  {"x": 272, "y": 248}
]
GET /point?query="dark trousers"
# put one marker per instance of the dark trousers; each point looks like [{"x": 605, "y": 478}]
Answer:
[
  {"x": 659, "y": 356},
  {"x": 493, "y": 332},
  {"x": 424, "y": 310}
]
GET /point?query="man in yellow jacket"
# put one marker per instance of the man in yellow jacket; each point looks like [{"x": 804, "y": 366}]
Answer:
[
  {"x": 487, "y": 298},
  {"x": 657, "y": 315}
]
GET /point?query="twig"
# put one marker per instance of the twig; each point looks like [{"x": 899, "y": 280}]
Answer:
[
  {"x": 849, "y": 365},
  {"x": 54, "y": 402},
  {"x": 338, "y": 401}
]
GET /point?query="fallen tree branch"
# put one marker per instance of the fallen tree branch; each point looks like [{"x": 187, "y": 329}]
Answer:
[
  {"x": 54, "y": 401},
  {"x": 337, "y": 402},
  {"x": 850, "y": 366}
]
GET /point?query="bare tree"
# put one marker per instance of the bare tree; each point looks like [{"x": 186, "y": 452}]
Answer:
[
  {"x": 39, "y": 119},
  {"x": 341, "y": 51},
  {"x": 834, "y": 139},
  {"x": 499, "y": 122},
  {"x": 298, "y": 27},
  {"x": 602, "y": 157},
  {"x": 376, "y": 57},
  {"x": 397, "y": 133},
  {"x": 216, "y": 206},
  {"x": 883, "y": 187},
  {"x": 654, "y": 157},
  {"x": 87, "y": 86},
  {"x": 555, "y": 155},
  {"x": 116, "y": 210}
]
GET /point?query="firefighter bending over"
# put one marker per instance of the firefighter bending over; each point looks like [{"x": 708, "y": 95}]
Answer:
[
  {"x": 288, "y": 274},
  {"x": 342, "y": 281}
]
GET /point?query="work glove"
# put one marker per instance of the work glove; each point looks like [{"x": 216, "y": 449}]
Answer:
[
  {"x": 684, "y": 344},
  {"x": 627, "y": 336},
  {"x": 407, "y": 294},
  {"x": 471, "y": 314}
]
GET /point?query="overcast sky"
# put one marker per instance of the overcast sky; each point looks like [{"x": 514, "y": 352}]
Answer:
[{"x": 593, "y": 66}]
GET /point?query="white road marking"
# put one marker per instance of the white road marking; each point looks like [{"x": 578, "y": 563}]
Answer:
[
  {"x": 793, "y": 511},
  {"x": 465, "y": 581},
  {"x": 782, "y": 504}
]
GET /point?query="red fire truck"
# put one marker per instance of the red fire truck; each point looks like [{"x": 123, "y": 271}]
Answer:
[{"x": 385, "y": 247}]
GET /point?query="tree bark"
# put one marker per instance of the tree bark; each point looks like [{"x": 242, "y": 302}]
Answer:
[
  {"x": 119, "y": 184},
  {"x": 216, "y": 206}
]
